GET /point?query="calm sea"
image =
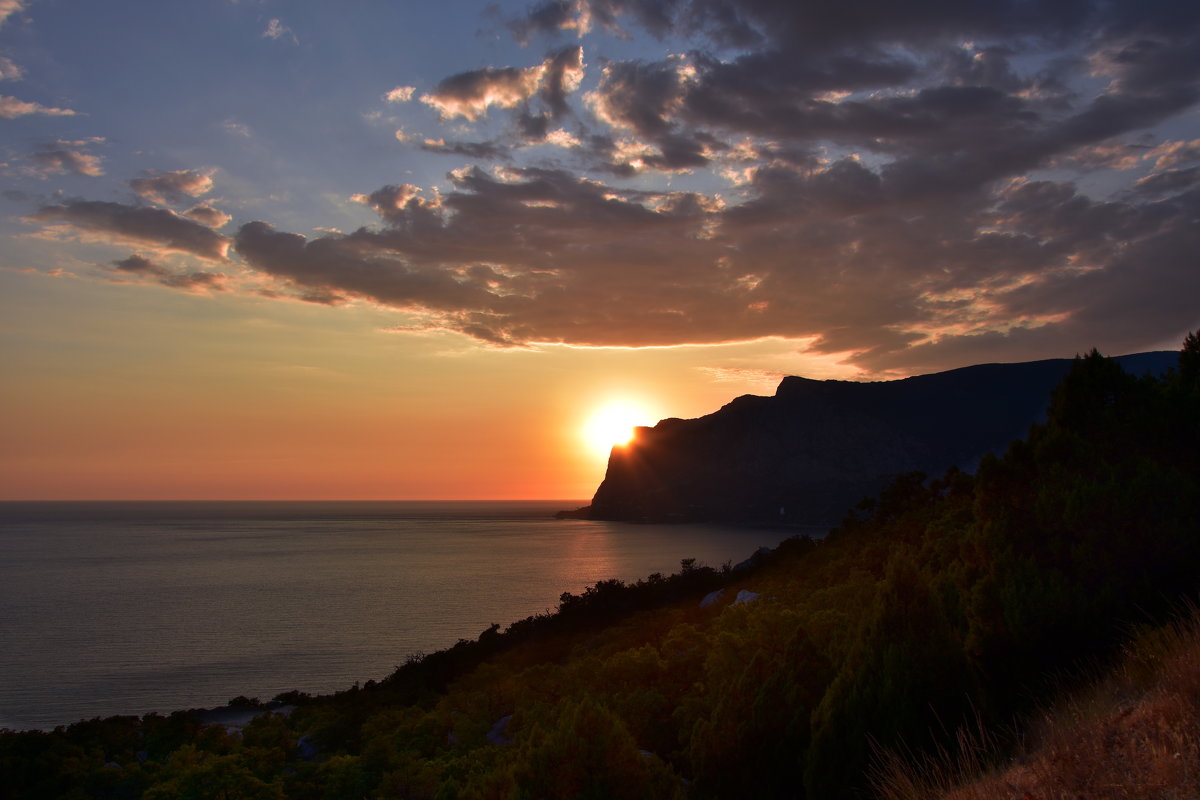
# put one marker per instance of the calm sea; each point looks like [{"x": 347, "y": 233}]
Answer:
[{"x": 128, "y": 608}]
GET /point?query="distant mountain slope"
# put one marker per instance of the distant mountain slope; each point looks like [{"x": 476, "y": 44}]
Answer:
[{"x": 810, "y": 452}]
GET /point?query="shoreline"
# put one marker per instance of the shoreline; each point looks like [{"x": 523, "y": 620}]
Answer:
[{"x": 272, "y": 658}]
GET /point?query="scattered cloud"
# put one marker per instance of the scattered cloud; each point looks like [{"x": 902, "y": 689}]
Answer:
[
  {"x": 142, "y": 226},
  {"x": 10, "y": 7},
  {"x": 562, "y": 138},
  {"x": 1174, "y": 154},
  {"x": 763, "y": 379},
  {"x": 1170, "y": 182},
  {"x": 62, "y": 157},
  {"x": 470, "y": 94},
  {"x": 171, "y": 187},
  {"x": 10, "y": 71},
  {"x": 833, "y": 254},
  {"x": 237, "y": 128},
  {"x": 1117, "y": 155},
  {"x": 140, "y": 267},
  {"x": 11, "y": 108},
  {"x": 489, "y": 151},
  {"x": 276, "y": 30},
  {"x": 401, "y": 94},
  {"x": 208, "y": 216},
  {"x": 580, "y": 17}
]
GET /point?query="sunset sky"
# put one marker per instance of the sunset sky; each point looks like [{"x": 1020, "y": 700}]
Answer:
[{"x": 280, "y": 249}]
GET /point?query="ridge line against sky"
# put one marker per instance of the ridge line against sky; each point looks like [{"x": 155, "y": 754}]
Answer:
[{"x": 855, "y": 188}]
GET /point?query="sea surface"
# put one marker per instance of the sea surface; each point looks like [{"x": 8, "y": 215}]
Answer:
[{"x": 131, "y": 608}]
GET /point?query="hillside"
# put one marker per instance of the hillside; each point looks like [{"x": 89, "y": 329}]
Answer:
[
  {"x": 1132, "y": 732},
  {"x": 807, "y": 454},
  {"x": 957, "y": 601}
]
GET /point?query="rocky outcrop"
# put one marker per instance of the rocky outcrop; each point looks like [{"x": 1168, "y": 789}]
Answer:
[{"x": 814, "y": 449}]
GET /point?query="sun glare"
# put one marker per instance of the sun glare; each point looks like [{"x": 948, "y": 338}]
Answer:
[{"x": 611, "y": 425}]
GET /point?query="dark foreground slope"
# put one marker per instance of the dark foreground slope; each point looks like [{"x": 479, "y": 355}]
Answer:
[
  {"x": 807, "y": 454},
  {"x": 1134, "y": 732},
  {"x": 959, "y": 600}
]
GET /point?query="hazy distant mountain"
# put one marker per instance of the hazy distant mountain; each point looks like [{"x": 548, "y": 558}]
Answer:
[{"x": 810, "y": 452}]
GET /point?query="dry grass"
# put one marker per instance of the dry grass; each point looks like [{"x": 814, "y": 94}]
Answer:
[{"x": 1135, "y": 733}]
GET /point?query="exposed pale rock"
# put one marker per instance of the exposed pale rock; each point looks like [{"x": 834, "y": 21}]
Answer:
[
  {"x": 496, "y": 734},
  {"x": 745, "y": 596}
]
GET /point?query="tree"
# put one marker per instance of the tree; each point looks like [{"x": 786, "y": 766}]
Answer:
[{"x": 584, "y": 752}]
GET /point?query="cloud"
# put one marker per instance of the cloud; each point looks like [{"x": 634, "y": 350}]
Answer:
[
  {"x": 538, "y": 256},
  {"x": 171, "y": 187},
  {"x": 391, "y": 200},
  {"x": 910, "y": 87},
  {"x": 478, "y": 257},
  {"x": 276, "y": 30},
  {"x": 582, "y": 16},
  {"x": 1115, "y": 155},
  {"x": 139, "y": 265},
  {"x": 8, "y": 8},
  {"x": 11, "y": 108},
  {"x": 470, "y": 94},
  {"x": 338, "y": 265},
  {"x": 562, "y": 74},
  {"x": 10, "y": 71},
  {"x": 62, "y": 157},
  {"x": 117, "y": 222},
  {"x": 764, "y": 378},
  {"x": 1174, "y": 154},
  {"x": 946, "y": 101},
  {"x": 198, "y": 281},
  {"x": 480, "y": 150},
  {"x": 903, "y": 186},
  {"x": 562, "y": 138},
  {"x": 750, "y": 24},
  {"x": 552, "y": 17},
  {"x": 208, "y": 216},
  {"x": 400, "y": 94},
  {"x": 641, "y": 97},
  {"x": 237, "y": 129},
  {"x": 836, "y": 254},
  {"x": 1169, "y": 182},
  {"x": 192, "y": 281}
]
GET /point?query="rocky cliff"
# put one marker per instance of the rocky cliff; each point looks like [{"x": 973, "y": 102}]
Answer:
[{"x": 815, "y": 448}]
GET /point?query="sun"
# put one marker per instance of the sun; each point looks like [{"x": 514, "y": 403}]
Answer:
[{"x": 612, "y": 425}]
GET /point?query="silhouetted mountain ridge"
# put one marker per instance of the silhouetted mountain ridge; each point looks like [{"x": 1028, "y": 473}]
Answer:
[{"x": 810, "y": 452}]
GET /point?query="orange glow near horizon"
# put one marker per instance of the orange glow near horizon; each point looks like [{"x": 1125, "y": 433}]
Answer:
[{"x": 238, "y": 399}]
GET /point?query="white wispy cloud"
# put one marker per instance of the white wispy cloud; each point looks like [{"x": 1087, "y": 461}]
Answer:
[
  {"x": 401, "y": 94},
  {"x": 237, "y": 128},
  {"x": 12, "y": 107},
  {"x": 277, "y": 30}
]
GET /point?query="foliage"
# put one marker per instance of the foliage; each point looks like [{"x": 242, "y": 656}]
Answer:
[{"x": 1132, "y": 732}]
